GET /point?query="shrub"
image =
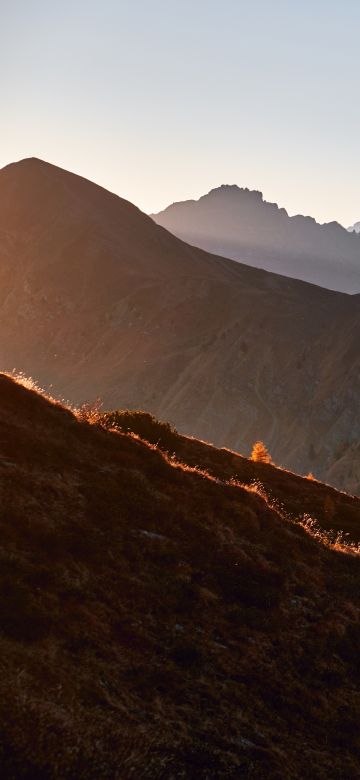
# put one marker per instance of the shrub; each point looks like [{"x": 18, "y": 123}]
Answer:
[
  {"x": 90, "y": 411},
  {"x": 143, "y": 424},
  {"x": 260, "y": 453}
]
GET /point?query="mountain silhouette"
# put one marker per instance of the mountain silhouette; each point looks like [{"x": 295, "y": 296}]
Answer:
[
  {"x": 99, "y": 301},
  {"x": 240, "y": 224}
]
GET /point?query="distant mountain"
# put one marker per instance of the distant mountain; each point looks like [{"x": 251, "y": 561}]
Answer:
[
  {"x": 169, "y": 617},
  {"x": 239, "y": 224},
  {"x": 98, "y": 300},
  {"x": 354, "y": 228}
]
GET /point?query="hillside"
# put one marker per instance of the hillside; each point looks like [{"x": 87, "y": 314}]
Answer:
[
  {"x": 240, "y": 224},
  {"x": 97, "y": 300},
  {"x": 159, "y": 623}
]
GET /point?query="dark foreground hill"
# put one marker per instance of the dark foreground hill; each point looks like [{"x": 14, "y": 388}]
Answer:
[
  {"x": 158, "y": 622},
  {"x": 97, "y": 300},
  {"x": 239, "y": 223}
]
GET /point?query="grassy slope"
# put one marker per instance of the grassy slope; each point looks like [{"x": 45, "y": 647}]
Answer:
[
  {"x": 158, "y": 623},
  {"x": 97, "y": 300},
  {"x": 293, "y": 494}
]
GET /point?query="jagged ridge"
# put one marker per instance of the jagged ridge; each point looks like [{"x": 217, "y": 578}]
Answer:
[{"x": 238, "y": 223}]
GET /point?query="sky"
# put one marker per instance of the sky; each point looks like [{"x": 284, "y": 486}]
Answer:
[{"x": 162, "y": 100}]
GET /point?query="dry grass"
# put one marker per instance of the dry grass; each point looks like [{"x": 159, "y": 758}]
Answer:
[
  {"x": 161, "y": 617},
  {"x": 29, "y": 383}
]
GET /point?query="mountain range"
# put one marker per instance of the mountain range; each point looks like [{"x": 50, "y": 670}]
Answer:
[
  {"x": 354, "y": 228},
  {"x": 169, "y": 617},
  {"x": 238, "y": 223},
  {"x": 98, "y": 300}
]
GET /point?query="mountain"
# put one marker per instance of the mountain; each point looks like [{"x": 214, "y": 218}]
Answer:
[
  {"x": 354, "y": 228},
  {"x": 238, "y": 223},
  {"x": 158, "y": 620},
  {"x": 97, "y": 300}
]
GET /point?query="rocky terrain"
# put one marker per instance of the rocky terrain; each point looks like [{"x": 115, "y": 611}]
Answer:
[
  {"x": 161, "y": 620},
  {"x": 96, "y": 300},
  {"x": 354, "y": 228},
  {"x": 239, "y": 223}
]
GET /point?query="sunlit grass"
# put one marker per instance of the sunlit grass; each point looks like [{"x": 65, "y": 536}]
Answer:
[{"x": 91, "y": 413}]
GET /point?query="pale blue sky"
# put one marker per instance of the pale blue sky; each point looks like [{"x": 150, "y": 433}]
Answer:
[{"x": 160, "y": 100}]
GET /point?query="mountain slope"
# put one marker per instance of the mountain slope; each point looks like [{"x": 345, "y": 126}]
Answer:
[
  {"x": 156, "y": 622},
  {"x": 238, "y": 223},
  {"x": 97, "y": 300}
]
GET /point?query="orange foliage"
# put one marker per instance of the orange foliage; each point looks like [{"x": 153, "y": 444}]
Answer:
[{"x": 260, "y": 453}]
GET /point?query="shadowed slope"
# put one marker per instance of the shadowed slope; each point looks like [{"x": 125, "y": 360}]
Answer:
[
  {"x": 97, "y": 300},
  {"x": 157, "y": 623},
  {"x": 289, "y": 493}
]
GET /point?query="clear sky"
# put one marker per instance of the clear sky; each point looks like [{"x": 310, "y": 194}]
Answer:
[{"x": 161, "y": 100}]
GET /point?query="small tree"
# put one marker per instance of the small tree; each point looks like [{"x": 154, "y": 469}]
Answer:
[{"x": 260, "y": 453}]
